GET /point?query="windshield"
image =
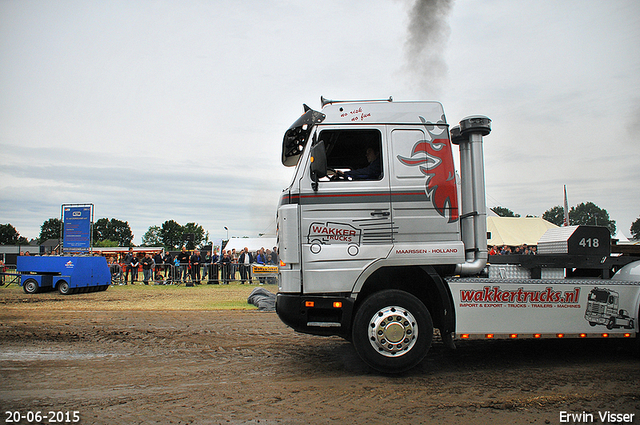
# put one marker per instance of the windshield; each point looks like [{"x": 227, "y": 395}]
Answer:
[
  {"x": 599, "y": 296},
  {"x": 297, "y": 135}
]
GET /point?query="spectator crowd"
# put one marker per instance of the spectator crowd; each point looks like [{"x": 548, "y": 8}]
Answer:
[
  {"x": 194, "y": 267},
  {"x": 518, "y": 250}
]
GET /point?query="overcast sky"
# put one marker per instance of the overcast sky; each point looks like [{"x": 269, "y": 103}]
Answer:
[{"x": 160, "y": 110}]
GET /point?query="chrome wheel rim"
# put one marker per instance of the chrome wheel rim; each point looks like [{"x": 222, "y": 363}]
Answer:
[{"x": 393, "y": 331}]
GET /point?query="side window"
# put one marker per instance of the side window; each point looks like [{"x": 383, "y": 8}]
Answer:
[
  {"x": 403, "y": 145},
  {"x": 353, "y": 154}
]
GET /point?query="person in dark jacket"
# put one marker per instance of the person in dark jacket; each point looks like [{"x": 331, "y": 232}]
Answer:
[
  {"x": 206, "y": 263},
  {"x": 225, "y": 261},
  {"x": 261, "y": 258},
  {"x": 135, "y": 264},
  {"x": 183, "y": 259},
  {"x": 370, "y": 172},
  {"x": 244, "y": 261},
  {"x": 159, "y": 266},
  {"x": 128, "y": 259},
  {"x": 147, "y": 268},
  {"x": 169, "y": 274},
  {"x": 195, "y": 267},
  {"x": 215, "y": 268}
]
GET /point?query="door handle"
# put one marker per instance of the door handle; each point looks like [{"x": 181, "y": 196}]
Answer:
[{"x": 380, "y": 213}]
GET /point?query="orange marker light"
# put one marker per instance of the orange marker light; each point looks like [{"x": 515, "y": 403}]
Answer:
[
  {"x": 464, "y": 336},
  {"x": 560, "y": 335},
  {"x": 583, "y": 335},
  {"x": 537, "y": 335},
  {"x": 605, "y": 335},
  {"x": 489, "y": 336},
  {"x": 627, "y": 335},
  {"x": 337, "y": 304},
  {"x": 513, "y": 336},
  {"x": 282, "y": 263},
  {"x": 309, "y": 303}
]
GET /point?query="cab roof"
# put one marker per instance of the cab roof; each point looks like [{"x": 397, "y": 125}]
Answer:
[{"x": 384, "y": 112}]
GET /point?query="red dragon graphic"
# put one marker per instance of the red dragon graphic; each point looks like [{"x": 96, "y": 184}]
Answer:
[{"x": 435, "y": 159}]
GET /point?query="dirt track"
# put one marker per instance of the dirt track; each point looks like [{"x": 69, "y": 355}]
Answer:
[{"x": 205, "y": 367}]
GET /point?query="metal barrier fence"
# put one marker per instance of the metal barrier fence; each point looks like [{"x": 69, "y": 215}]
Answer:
[
  {"x": 208, "y": 273},
  {"x": 8, "y": 275}
]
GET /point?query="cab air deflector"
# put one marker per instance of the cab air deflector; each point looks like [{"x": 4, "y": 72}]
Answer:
[{"x": 295, "y": 138}]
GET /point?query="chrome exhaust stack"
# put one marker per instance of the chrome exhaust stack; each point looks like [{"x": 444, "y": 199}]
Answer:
[{"x": 473, "y": 215}]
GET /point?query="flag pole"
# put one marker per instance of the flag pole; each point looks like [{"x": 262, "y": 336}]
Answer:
[{"x": 566, "y": 208}]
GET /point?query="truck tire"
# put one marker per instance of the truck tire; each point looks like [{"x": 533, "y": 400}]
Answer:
[
  {"x": 63, "y": 288},
  {"x": 392, "y": 331},
  {"x": 30, "y": 286}
]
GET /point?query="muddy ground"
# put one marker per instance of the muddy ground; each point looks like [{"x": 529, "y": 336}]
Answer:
[{"x": 231, "y": 366}]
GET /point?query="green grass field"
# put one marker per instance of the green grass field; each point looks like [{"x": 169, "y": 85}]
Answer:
[{"x": 136, "y": 297}]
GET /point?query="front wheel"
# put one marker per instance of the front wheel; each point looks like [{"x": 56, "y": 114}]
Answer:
[
  {"x": 30, "y": 286},
  {"x": 392, "y": 331}
]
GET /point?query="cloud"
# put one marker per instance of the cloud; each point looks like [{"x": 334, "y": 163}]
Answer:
[{"x": 145, "y": 195}]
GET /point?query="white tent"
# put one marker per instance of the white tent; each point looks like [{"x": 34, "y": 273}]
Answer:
[
  {"x": 620, "y": 236},
  {"x": 515, "y": 231},
  {"x": 253, "y": 244}
]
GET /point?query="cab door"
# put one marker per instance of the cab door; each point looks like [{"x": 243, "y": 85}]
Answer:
[
  {"x": 424, "y": 196},
  {"x": 345, "y": 222}
]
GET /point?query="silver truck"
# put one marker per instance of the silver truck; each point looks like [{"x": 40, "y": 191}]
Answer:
[{"x": 381, "y": 244}]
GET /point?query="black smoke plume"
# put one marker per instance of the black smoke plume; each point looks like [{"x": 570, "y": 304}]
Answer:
[{"x": 428, "y": 33}]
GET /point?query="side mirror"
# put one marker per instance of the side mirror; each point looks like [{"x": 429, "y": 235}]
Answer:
[{"x": 318, "y": 165}]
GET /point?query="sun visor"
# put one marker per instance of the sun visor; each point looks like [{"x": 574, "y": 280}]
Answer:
[{"x": 297, "y": 135}]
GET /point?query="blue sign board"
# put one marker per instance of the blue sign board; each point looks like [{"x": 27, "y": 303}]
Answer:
[{"x": 76, "y": 235}]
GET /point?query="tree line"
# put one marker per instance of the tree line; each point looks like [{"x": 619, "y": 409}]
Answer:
[
  {"x": 113, "y": 233},
  {"x": 584, "y": 214}
]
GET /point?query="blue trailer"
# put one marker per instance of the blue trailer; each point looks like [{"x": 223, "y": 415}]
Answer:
[{"x": 69, "y": 275}]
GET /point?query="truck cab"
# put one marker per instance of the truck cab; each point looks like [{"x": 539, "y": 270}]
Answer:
[{"x": 373, "y": 203}]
